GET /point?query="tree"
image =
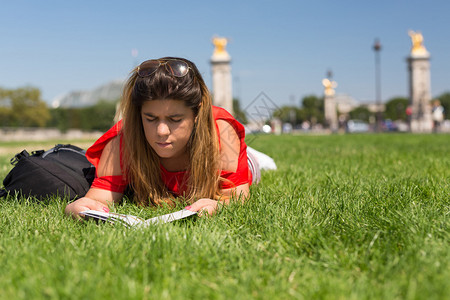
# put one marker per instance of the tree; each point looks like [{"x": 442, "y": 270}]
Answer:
[
  {"x": 239, "y": 114},
  {"x": 23, "y": 107},
  {"x": 445, "y": 102},
  {"x": 98, "y": 117},
  {"x": 361, "y": 113},
  {"x": 313, "y": 108},
  {"x": 5, "y": 108},
  {"x": 396, "y": 109},
  {"x": 64, "y": 118},
  {"x": 290, "y": 114}
]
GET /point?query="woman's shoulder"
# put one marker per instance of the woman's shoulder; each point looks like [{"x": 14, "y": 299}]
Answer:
[
  {"x": 94, "y": 152},
  {"x": 222, "y": 114}
]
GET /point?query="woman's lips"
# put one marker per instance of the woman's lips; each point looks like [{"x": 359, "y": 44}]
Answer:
[{"x": 164, "y": 145}]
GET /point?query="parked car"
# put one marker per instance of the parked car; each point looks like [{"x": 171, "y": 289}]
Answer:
[{"x": 357, "y": 126}]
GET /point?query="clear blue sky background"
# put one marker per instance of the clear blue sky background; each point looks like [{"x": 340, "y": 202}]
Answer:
[{"x": 282, "y": 48}]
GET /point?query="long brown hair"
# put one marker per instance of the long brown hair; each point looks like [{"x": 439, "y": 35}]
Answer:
[{"x": 141, "y": 164}]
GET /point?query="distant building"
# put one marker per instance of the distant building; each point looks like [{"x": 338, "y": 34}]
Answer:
[
  {"x": 111, "y": 91},
  {"x": 345, "y": 104},
  {"x": 373, "y": 107}
]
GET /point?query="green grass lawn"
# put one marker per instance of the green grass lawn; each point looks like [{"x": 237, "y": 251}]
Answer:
[{"x": 343, "y": 217}]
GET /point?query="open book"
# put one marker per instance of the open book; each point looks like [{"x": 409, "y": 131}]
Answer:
[{"x": 129, "y": 220}]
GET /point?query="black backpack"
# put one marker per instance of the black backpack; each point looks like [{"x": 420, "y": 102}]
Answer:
[{"x": 61, "y": 171}]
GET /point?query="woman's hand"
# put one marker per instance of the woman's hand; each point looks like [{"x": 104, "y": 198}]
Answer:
[
  {"x": 95, "y": 199},
  {"x": 204, "y": 206},
  {"x": 210, "y": 206},
  {"x": 73, "y": 209}
]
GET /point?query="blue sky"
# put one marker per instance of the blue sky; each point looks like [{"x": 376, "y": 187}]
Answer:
[{"x": 281, "y": 48}]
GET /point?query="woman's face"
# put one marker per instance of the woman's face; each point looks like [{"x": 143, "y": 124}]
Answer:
[{"x": 168, "y": 124}]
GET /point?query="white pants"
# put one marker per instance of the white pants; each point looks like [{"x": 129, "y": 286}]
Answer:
[{"x": 258, "y": 161}]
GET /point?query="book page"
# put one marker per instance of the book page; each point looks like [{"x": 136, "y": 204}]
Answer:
[{"x": 112, "y": 217}]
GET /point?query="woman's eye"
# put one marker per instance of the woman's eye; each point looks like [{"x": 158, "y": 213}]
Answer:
[
  {"x": 176, "y": 120},
  {"x": 150, "y": 120}
]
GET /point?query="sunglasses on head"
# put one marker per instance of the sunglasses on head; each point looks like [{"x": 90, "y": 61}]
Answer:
[{"x": 174, "y": 67}]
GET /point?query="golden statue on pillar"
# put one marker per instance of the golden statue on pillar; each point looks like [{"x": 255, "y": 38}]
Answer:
[
  {"x": 220, "y": 43},
  {"x": 417, "y": 43},
  {"x": 329, "y": 86}
]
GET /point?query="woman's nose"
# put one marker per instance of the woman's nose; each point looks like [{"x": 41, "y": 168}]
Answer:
[{"x": 162, "y": 129}]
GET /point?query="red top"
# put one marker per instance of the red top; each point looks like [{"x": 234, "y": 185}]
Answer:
[{"x": 174, "y": 181}]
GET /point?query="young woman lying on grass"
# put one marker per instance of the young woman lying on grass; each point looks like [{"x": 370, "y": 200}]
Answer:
[{"x": 170, "y": 144}]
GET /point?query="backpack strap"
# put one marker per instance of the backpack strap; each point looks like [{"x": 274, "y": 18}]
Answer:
[{"x": 18, "y": 157}]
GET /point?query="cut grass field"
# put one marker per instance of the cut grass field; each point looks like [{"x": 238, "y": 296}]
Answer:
[{"x": 343, "y": 217}]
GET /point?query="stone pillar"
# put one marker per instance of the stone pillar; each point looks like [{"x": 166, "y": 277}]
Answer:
[
  {"x": 330, "y": 108},
  {"x": 419, "y": 86},
  {"x": 221, "y": 75}
]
